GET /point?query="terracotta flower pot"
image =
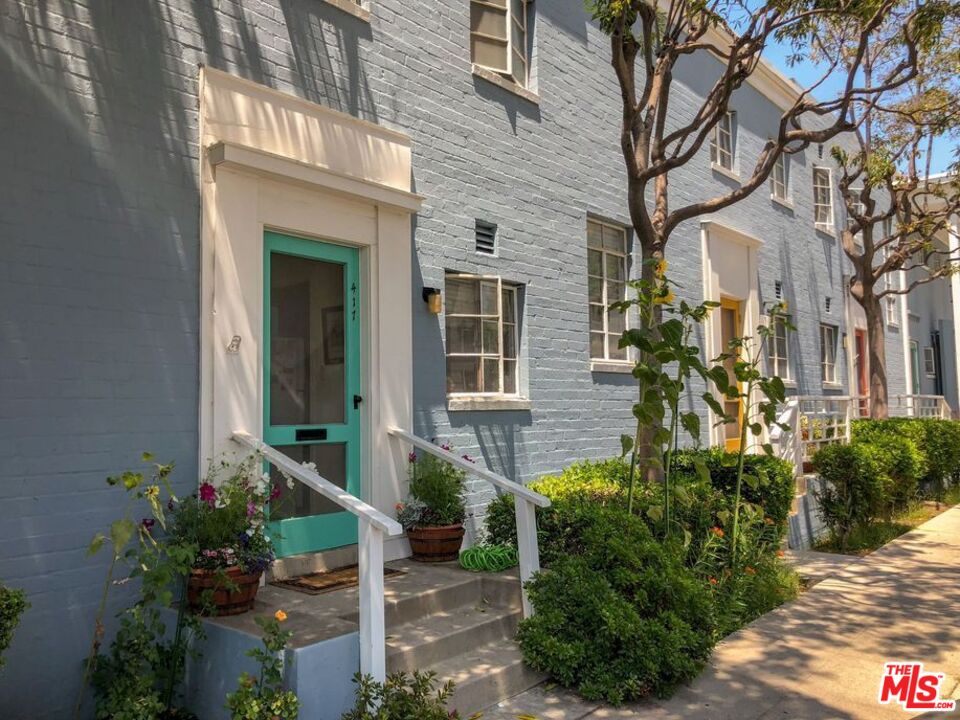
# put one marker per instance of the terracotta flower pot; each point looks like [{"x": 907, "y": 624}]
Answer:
[
  {"x": 436, "y": 544},
  {"x": 230, "y": 595}
]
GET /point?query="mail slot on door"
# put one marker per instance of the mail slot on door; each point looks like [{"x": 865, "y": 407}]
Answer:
[{"x": 308, "y": 434}]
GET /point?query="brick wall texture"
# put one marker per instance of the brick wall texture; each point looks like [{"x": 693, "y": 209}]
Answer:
[{"x": 99, "y": 225}]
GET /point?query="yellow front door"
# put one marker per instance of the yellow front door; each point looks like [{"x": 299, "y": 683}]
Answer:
[{"x": 729, "y": 329}]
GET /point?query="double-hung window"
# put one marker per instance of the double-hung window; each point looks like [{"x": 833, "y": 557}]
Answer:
[
  {"x": 929, "y": 362},
  {"x": 778, "y": 347},
  {"x": 499, "y": 37},
  {"x": 822, "y": 199},
  {"x": 482, "y": 339},
  {"x": 889, "y": 284},
  {"x": 606, "y": 281},
  {"x": 779, "y": 180},
  {"x": 724, "y": 139},
  {"x": 828, "y": 353}
]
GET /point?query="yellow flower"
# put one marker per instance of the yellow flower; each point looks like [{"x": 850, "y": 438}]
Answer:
[
  {"x": 280, "y": 615},
  {"x": 664, "y": 299},
  {"x": 152, "y": 491},
  {"x": 661, "y": 268}
]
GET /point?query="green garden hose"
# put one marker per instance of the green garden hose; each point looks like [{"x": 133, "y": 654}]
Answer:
[{"x": 488, "y": 558}]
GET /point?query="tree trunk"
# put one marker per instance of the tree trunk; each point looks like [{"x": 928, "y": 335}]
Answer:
[
  {"x": 649, "y": 454},
  {"x": 876, "y": 355}
]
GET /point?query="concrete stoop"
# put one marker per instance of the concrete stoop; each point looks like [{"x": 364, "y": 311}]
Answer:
[
  {"x": 804, "y": 524},
  {"x": 439, "y": 618},
  {"x": 464, "y": 632}
]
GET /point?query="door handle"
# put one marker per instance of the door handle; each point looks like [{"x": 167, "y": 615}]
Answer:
[{"x": 357, "y": 399}]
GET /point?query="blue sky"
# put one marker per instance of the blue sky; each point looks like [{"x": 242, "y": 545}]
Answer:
[{"x": 806, "y": 72}]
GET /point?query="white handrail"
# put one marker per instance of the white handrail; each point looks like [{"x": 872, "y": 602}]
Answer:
[
  {"x": 372, "y": 526},
  {"x": 525, "y": 502},
  {"x": 314, "y": 480},
  {"x": 491, "y": 477}
]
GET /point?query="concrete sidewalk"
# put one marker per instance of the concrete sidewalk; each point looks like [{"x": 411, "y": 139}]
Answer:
[{"x": 821, "y": 656}]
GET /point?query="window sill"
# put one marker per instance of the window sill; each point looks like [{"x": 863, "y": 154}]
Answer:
[
  {"x": 782, "y": 201},
  {"x": 351, "y": 8},
  {"x": 482, "y": 403},
  {"x": 832, "y": 385},
  {"x": 717, "y": 168},
  {"x": 491, "y": 77},
  {"x": 828, "y": 231},
  {"x": 611, "y": 366}
]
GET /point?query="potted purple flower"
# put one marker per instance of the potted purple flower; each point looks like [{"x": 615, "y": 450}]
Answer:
[
  {"x": 433, "y": 515},
  {"x": 226, "y": 523}
]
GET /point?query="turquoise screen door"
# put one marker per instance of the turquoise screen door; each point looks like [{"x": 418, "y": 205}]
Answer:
[{"x": 312, "y": 384}]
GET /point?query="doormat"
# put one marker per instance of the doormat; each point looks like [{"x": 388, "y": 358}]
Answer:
[{"x": 323, "y": 582}]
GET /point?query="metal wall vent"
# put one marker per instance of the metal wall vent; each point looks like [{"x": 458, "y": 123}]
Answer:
[
  {"x": 826, "y": 303},
  {"x": 486, "y": 237},
  {"x": 778, "y": 289}
]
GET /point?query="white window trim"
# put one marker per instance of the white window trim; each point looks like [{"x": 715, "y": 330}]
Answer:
[
  {"x": 828, "y": 227},
  {"x": 784, "y": 199},
  {"x": 358, "y": 8},
  {"x": 929, "y": 360},
  {"x": 501, "y": 286},
  {"x": 717, "y": 153},
  {"x": 600, "y": 364},
  {"x": 507, "y": 73},
  {"x": 825, "y": 377},
  {"x": 774, "y": 359}
]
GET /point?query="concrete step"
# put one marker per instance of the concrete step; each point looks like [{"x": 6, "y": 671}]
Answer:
[
  {"x": 443, "y": 635},
  {"x": 408, "y": 607},
  {"x": 486, "y": 675}
]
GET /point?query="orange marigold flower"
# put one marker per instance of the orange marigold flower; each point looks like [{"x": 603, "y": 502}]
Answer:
[
  {"x": 780, "y": 553},
  {"x": 713, "y": 581},
  {"x": 280, "y": 615},
  {"x": 768, "y": 520},
  {"x": 749, "y": 570},
  {"x": 717, "y": 531}
]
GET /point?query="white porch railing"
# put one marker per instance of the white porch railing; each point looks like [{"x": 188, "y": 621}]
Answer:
[
  {"x": 373, "y": 527},
  {"x": 923, "y": 406},
  {"x": 525, "y": 502},
  {"x": 814, "y": 421}
]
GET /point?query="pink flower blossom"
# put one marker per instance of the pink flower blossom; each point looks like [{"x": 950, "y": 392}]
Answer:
[
  {"x": 412, "y": 457},
  {"x": 208, "y": 494},
  {"x": 275, "y": 493},
  {"x": 251, "y": 509},
  {"x": 467, "y": 458}
]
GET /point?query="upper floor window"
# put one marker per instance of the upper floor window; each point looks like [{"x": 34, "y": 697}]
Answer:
[
  {"x": 482, "y": 338},
  {"x": 606, "y": 281},
  {"x": 778, "y": 348},
  {"x": 822, "y": 199},
  {"x": 723, "y": 143},
  {"x": 889, "y": 284},
  {"x": 778, "y": 178},
  {"x": 828, "y": 353},
  {"x": 499, "y": 37}
]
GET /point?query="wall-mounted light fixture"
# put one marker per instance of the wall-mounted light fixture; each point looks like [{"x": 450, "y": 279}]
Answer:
[{"x": 434, "y": 300}]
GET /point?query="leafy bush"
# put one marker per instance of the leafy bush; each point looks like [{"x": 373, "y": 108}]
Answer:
[
  {"x": 572, "y": 493},
  {"x": 12, "y": 605},
  {"x": 938, "y": 442},
  {"x": 623, "y": 619},
  {"x": 774, "y": 490},
  {"x": 436, "y": 493},
  {"x": 853, "y": 491},
  {"x": 401, "y": 697}
]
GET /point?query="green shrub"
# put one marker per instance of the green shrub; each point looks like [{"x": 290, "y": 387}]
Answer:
[
  {"x": 401, "y": 697},
  {"x": 853, "y": 490},
  {"x": 12, "y": 605},
  {"x": 623, "y": 619},
  {"x": 594, "y": 483},
  {"x": 774, "y": 492},
  {"x": 902, "y": 466},
  {"x": 938, "y": 442}
]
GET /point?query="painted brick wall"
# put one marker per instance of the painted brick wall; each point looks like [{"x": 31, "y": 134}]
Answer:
[{"x": 99, "y": 227}]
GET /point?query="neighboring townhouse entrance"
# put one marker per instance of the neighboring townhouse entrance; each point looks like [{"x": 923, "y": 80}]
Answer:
[
  {"x": 730, "y": 322},
  {"x": 312, "y": 390}
]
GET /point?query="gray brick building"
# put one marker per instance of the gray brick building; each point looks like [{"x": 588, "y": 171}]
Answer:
[{"x": 116, "y": 222}]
